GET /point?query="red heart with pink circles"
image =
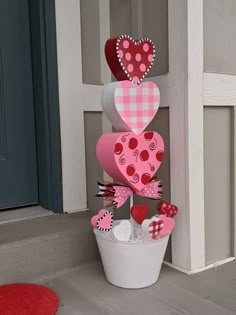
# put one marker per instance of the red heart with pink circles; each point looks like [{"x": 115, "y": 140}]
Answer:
[
  {"x": 129, "y": 158},
  {"x": 128, "y": 58}
]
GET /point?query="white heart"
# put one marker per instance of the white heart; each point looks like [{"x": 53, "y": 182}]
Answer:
[{"x": 122, "y": 231}]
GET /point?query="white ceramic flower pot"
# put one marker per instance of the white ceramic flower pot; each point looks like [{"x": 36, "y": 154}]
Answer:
[{"x": 131, "y": 265}]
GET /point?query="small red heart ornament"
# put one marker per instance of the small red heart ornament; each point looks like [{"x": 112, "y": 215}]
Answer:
[
  {"x": 128, "y": 58},
  {"x": 166, "y": 208},
  {"x": 139, "y": 213}
]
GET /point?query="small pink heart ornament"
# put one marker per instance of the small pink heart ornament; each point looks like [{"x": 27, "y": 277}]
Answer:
[
  {"x": 169, "y": 224},
  {"x": 130, "y": 107},
  {"x": 122, "y": 231},
  {"x": 103, "y": 221},
  {"x": 95, "y": 218}
]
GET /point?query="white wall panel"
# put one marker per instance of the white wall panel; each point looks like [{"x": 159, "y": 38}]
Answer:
[
  {"x": 218, "y": 179},
  {"x": 219, "y": 36}
]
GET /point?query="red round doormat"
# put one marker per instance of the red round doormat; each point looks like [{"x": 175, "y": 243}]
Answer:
[{"x": 27, "y": 299}]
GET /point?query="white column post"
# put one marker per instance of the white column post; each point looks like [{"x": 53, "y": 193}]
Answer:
[
  {"x": 137, "y": 18},
  {"x": 186, "y": 131},
  {"x": 104, "y": 32}
]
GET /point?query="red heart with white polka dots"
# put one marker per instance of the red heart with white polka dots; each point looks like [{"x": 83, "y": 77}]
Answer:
[{"x": 128, "y": 58}]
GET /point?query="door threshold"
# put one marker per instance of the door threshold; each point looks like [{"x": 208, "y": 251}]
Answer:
[{"x": 15, "y": 215}]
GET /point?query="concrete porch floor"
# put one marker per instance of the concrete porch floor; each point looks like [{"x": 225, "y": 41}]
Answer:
[{"x": 84, "y": 291}]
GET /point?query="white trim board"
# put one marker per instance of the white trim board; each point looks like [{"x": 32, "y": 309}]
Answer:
[
  {"x": 186, "y": 131},
  {"x": 191, "y": 272},
  {"x": 219, "y": 89}
]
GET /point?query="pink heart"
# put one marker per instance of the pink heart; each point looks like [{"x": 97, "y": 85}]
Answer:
[
  {"x": 131, "y": 159},
  {"x": 95, "y": 218},
  {"x": 169, "y": 224},
  {"x": 105, "y": 222},
  {"x": 130, "y": 107}
]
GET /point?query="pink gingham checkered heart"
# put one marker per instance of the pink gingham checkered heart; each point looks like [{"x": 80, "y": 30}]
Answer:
[{"x": 137, "y": 105}]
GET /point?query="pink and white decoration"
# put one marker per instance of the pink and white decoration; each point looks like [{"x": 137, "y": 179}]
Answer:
[
  {"x": 132, "y": 250},
  {"x": 130, "y": 107}
]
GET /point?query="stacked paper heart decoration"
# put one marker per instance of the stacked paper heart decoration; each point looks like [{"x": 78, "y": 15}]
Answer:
[{"x": 131, "y": 156}]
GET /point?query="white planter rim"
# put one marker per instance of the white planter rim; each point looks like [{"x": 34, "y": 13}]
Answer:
[{"x": 131, "y": 242}]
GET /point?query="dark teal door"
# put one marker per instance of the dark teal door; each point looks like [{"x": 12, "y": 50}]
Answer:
[{"x": 18, "y": 167}]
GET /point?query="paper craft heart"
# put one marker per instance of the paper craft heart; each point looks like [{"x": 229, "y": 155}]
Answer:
[
  {"x": 130, "y": 107},
  {"x": 130, "y": 159},
  {"x": 129, "y": 59},
  {"x": 169, "y": 224},
  {"x": 153, "y": 226},
  {"x": 122, "y": 231},
  {"x": 103, "y": 220},
  {"x": 95, "y": 218},
  {"x": 139, "y": 213},
  {"x": 167, "y": 209}
]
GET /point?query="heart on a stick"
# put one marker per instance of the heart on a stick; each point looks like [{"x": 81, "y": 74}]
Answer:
[
  {"x": 130, "y": 159},
  {"x": 169, "y": 224},
  {"x": 153, "y": 226},
  {"x": 103, "y": 221},
  {"x": 95, "y": 218},
  {"x": 166, "y": 208},
  {"x": 129, "y": 59},
  {"x": 139, "y": 213},
  {"x": 122, "y": 231},
  {"x": 130, "y": 107}
]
